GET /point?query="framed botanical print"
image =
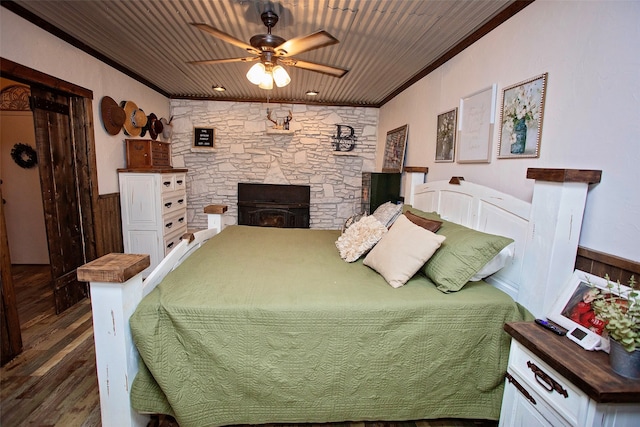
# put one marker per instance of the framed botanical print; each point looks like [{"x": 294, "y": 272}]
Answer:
[
  {"x": 521, "y": 118},
  {"x": 446, "y": 136},
  {"x": 394, "y": 149}
]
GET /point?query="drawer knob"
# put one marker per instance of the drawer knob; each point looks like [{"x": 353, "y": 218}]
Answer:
[
  {"x": 169, "y": 225},
  {"x": 179, "y": 182},
  {"x": 181, "y": 220},
  {"x": 168, "y": 205},
  {"x": 520, "y": 388},
  {"x": 181, "y": 201},
  {"x": 170, "y": 245},
  {"x": 546, "y": 381},
  {"x": 167, "y": 183}
]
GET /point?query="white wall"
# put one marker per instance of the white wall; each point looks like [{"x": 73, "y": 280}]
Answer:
[
  {"x": 28, "y": 45},
  {"x": 591, "y": 50}
]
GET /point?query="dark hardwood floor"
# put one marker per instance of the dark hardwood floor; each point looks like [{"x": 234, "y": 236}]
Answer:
[{"x": 53, "y": 382}]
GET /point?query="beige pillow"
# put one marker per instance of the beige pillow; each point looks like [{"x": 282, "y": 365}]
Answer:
[
  {"x": 359, "y": 238},
  {"x": 403, "y": 251}
]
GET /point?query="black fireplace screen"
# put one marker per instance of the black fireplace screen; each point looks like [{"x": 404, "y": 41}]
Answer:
[{"x": 274, "y": 205}]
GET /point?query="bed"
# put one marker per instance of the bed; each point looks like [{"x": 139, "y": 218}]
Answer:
[{"x": 300, "y": 335}]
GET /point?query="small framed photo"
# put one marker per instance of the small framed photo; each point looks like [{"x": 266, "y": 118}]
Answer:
[
  {"x": 204, "y": 137},
  {"x": 394, "y": 149},
  {"x": 446, "y": 136},
  {"x": 573, "y": 309},
  {"x": 521, "y": 118}
]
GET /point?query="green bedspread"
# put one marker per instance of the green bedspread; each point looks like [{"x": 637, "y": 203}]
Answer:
[{"x": 266, "y": 325}]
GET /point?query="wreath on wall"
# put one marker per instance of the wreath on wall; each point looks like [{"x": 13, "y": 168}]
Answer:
[{"x": 24, "y": 155}]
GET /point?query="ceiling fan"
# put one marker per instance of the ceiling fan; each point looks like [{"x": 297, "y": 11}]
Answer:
[{"x": 273, "y": 51}]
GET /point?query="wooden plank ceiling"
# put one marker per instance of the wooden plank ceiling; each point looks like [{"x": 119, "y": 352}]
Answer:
[{"x": 385, "y": 44}]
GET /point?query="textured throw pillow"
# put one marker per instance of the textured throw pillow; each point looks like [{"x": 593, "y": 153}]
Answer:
[
  {"x": 425, "y": 223},
  {"x": 462, "y": 255},
  {"x": 352, "y": 220},
  {"x": 359, "y": 238},
  {"x": 402, "y": 251},
  {"x": 434, "y": 216},
  {"x": 387, "y": 213}
]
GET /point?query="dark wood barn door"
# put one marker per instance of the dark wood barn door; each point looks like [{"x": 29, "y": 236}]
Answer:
[
  {"x": 59, "y": 176},
  {"x": 11, "y": 344}
]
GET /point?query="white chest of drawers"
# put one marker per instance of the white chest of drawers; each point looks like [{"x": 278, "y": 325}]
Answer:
[
  {"x": 553, "y": 382},
  {"x": 154, "y": 211}
]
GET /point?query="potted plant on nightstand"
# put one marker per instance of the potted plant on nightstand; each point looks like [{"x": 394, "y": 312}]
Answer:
[{"x": 623, "y": 325}]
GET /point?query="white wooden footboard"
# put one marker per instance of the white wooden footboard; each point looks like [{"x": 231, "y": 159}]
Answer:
[{"x": 117, "y": 287}]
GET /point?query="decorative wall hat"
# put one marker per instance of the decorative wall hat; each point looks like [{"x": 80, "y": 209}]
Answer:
[
  {"x": 113, "y": 116},
  {"x": 135, "y": 118},
  {"x": 154, "y": 126},
  {"x": 167, "y": 127}
]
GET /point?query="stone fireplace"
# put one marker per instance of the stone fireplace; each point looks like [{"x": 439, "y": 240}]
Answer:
[{"x": 273, "y": 205}]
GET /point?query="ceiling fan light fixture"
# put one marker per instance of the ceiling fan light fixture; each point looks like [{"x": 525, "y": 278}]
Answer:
[
  {"x": 256, "y": 74},
  {"x": 280, "y": 76},
  {"x": 267, "y": 82}
]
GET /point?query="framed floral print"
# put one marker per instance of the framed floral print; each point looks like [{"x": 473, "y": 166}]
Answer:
[
  {"x": 394, "y": 150},
  {"x": 446, "y": 136},
  {"x": 521, "y": 118}
]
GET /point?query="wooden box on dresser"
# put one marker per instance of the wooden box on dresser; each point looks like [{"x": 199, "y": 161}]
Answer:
[
  {"x": 552, "y": 381},
  {"x": 154, "y": 210}
]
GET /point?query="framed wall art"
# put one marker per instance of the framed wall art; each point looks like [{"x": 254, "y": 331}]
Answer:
[
  {"x": 574, "y": 312},
  {"x": 203, "y": 138},
  {"x": 475, "y": 128},
  {"x": 521, "y": 118},
  {"x": 446, "y": 136},
  {"x": 394, "y": 150}
]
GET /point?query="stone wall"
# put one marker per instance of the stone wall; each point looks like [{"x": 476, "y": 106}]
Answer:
[{"x": 245, "y": 152}]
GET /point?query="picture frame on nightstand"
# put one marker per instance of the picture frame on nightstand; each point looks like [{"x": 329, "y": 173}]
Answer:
[{"x": 573, "y": 311}]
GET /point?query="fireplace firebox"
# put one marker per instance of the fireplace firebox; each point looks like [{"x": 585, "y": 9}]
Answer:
[{"x": 274, "y": 205}]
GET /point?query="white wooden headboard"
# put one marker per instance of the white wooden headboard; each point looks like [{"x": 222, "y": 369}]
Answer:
[
  {"x": 486, "y": 210},
  {"x": 546, "y": 230}
]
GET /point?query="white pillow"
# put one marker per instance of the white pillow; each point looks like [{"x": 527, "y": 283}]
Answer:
[
  {"x": 495, "y": 264},
  {"x": 387, "y": 213},
  {"x": 359, "y": 238},
  {"x": 403, "y": 251}
]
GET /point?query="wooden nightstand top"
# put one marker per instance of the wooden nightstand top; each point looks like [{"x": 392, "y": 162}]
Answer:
[{"x": 588, "y": 370}]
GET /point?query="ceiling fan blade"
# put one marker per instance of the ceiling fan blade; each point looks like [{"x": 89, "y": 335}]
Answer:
[
  {"x": 306, "y": 43},
  {"x": 319, "y": 68},
  {"x": 225, "y": 37},
  {"x": 224, "y": 61}
]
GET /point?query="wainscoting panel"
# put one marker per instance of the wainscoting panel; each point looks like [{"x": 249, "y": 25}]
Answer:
[{"x": 600, "y": 264}]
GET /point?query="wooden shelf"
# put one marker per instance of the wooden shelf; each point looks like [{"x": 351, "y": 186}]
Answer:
[{"x": 280, "y": 132}]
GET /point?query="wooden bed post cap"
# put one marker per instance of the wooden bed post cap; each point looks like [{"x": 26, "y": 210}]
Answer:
[
  {"x": 113, "y": 268},
  {"x": 215, "y": 209},
  {"x": 565, "y": 175},
  {"x": 416, "y": 169}
]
